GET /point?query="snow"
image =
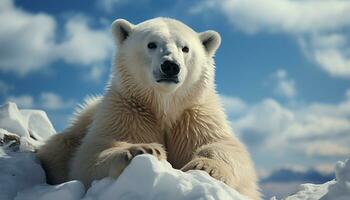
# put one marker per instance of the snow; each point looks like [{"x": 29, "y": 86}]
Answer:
[
  {"x": 31, "y": 126},
  {"x": 18, "y": 171},
  {"x": 23, "y": 178},
  {"x": 21, "y": 131},
  {"x": 147, "y": 178},
  {"x": 71, "y": 190}
]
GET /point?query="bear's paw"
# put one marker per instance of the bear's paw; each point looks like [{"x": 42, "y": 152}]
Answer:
[
  {"x": 124, "y": 157},
  {"x": 216, "y": 169}
]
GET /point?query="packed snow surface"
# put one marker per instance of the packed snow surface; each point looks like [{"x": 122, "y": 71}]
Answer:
[
  {"x": 18, "y": 171},
  {"x": 22, "y": 177}
]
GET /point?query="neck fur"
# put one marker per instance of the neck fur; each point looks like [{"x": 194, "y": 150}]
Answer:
[{"x": 167, "y": 107}]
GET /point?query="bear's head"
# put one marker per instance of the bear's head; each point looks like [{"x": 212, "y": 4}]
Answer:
[{"x": 163, "y": 54}]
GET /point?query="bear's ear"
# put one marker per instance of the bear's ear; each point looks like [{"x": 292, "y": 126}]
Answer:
[
  {"x": 211, "y": 41},
  {"x": 121, "y": 30}
]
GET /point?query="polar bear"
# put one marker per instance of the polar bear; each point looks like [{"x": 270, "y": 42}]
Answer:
[{"x": 160, "y": 100}]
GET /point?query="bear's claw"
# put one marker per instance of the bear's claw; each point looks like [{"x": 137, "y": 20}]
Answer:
[
  {"x": 152, "y": 149},
  {"x": 214, "y": 168},
  {"x": 124, "y": 157}
]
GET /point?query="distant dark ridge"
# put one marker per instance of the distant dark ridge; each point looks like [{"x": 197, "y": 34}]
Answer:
[{"x": 289, "y": 175}]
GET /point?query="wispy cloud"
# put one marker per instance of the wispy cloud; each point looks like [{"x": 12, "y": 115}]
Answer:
[
  {"x": 52, "y": 101},
  {"x": 23, "y": 101},
  {"x": 331, "y": 51},
  {"x": 319, "y": 26},
  {"x": 233, "y": 104},
  {"x": 302, "y": 129},
  {"x": 109, "y": 5},
  {"x": 284, "y": 15},
  {"x": 28, "y": 41},
  {"x": 59, "y": 109},
  {"x": 326, "y": 148},
  {"x": 46, "y": 100},
  {"x": 284, "y": 86},
  {"x": 95, "y": 73}
]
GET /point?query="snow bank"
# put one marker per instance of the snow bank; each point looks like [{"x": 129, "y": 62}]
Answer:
[{"x": 145, "y": 178}]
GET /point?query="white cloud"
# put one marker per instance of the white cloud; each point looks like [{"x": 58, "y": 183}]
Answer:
[
  {"x": 284, "y": 85},
  {"x": 311, "y": 129},
  {"x": 263, "y": 120},
  {"x": 28, "y": 41},
  {"x": 52, "y": 101},
  {"x": 283, "y": 15},
  {"x": 330, "y": 51},
  {"x": 83, "y": 45},
  {"x": 95, "y": 73},
  {"x": 320, "y": 26},
  {"x": 325, "y": 168},
  {"x": 232, "y": 104},
  {"x": 316, "y": 125},
  {"x": 46, "y": 101},
  {"x": 109, "y": 5},
  {"x": 23, "y": 101},
  {"x": 326, "y": 148}
]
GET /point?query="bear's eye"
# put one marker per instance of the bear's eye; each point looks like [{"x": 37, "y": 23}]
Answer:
[
  {"x": 151, "y": 45},
  {"x": 185, "y": 49}
]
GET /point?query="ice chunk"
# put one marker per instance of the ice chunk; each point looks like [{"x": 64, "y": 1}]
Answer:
[
  {"x": 11, "y": 119},
  {"x": 31, "y": 126},
  {"x": 38, "y": 124}
]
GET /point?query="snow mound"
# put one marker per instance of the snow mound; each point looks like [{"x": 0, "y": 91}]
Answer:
[
  {"x": 71, "y": 190},
  {"x": 18, "y": 171},
  {"x": 147, "y": 178}
]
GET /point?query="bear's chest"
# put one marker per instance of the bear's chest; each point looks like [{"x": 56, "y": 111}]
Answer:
[
  {"x": 181, "y": 142},
  {"x": 179, "y": 148}
]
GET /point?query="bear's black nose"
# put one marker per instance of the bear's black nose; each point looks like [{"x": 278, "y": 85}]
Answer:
[{"x": 169, "y": 68}]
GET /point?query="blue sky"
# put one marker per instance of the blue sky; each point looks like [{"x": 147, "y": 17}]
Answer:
[{"x": 283, "y": 68}]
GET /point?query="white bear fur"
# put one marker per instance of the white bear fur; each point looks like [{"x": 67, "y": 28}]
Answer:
[{"x": 183, "y": 123}]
